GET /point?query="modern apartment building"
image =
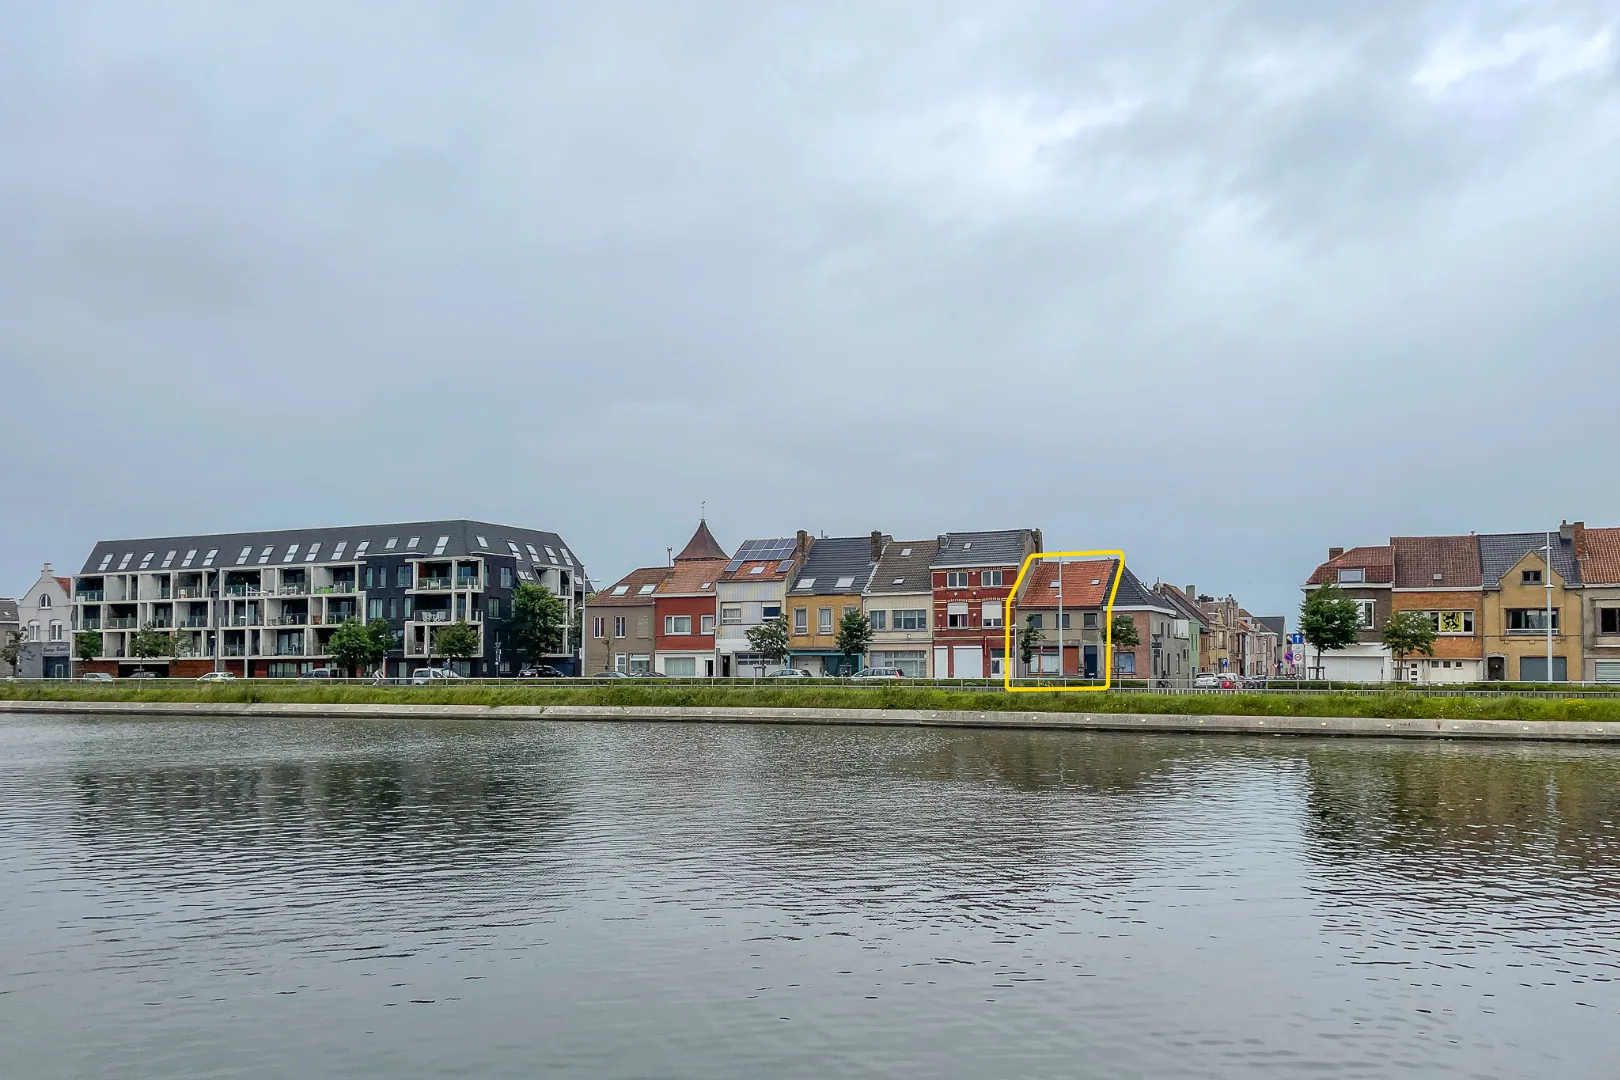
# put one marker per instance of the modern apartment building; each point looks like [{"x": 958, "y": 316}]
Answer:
[{"x": 265, "y": 604}]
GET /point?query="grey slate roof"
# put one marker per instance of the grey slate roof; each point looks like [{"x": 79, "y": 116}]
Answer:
[
  {"x": 832, "y": 558},
  {"x": 1133, "y": 594},
  {"x": 463, "y": 540},
  {"x": 1277, "y": 624},
  {"x": 1002, "y": 547},
  {"x": 1180, "y": 601},
  {"x": 8, "y": 612},
  {"x": 1498, "y": 552},
  {"x": 904, "y": 568}
]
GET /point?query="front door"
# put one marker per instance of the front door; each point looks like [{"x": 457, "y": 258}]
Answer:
[
  {"x": 1091, "y": 661},
  {"x": 942, "y": 662},
  {"x": 1496, "y": 668}
]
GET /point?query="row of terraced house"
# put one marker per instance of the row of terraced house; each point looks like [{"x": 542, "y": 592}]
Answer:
[
  {"x": 1488, "y": 596},
  {"x": 937, "y": 608}
]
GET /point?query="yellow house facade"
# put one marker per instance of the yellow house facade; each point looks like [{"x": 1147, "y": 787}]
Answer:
[
  {"x": 829, "y": 585},
  {"x": 1516, "y": 600}
]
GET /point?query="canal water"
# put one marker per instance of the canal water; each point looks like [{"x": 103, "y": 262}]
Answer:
[{"x": 187, "y": 899}]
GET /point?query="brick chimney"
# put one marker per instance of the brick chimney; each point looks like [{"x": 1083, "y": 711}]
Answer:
[
  {"x": 1334, "y": 553},
  {"x": 1035, "y": 534},
  {"x": 1191, "y": 591},
  {"x": 877, "y": 545},
  {"x": 1566, "y": 530},
  {"x": 801, "y": 547}
]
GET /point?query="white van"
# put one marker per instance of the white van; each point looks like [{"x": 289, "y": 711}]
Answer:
[{"x": 422, "y": 676}]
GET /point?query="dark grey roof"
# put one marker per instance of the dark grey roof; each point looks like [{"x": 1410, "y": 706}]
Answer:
[
  {"x": 1183, "y": 604},
  {"x": 1133, "y": 594},
  {"x": 1498, "y": 552},
  {"x": 904, "y": 567},
  {"x": 830, "y": 560},
  {"x": 8, "y": 611},
  {"x": 1001, "y": 547},
  {"x": 1278, "y": 624},
  {"x": 463, "y": 538}
]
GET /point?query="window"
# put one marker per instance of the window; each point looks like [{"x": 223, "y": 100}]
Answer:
[
  {"x": 168, "y": 560},
  {"x": 956, "y": 614},
  {"x": 599, "y": 626},
  {"x": 1451, "y": 622},
  {"x": 620, "y": 590},
  {"x": 1352, "y": 576},
  {"x": 264, "y": 556},
  {"x": 410, "y": 545},
  {"x": 1530, "y": 621},
  {"x": 879, "y": 619},
  {"x": 106, "y": 560},
  {"x": 1066, "y": 617},
  {"x": 440, "y": 544},
  {"x": 1035, "y": 622},
  {"x": 1368, "y": 612},
  {"x": 492, "y": 607},
  {"x": 506, "y": 577},
  {"x": 911, "y": 619},
  {"x": 147, "y": 561},
  {"x": 990, "y": 579},
  {"x": 730, "y": 614},
  {"x": 33, "y": 630},
  {"x": 756, "y": 570},
  {"x": 482, "y": 542},
  {"x": 44, "y": 600},
  {"x": 337, "y": 552},
  {"x": 360, "y": 550},
  {"x": 402, "y": 576},
  {"x": 314, "y": 550},
  {"x": 619, "y": 626},
  {"x": 56, "y": 630},
  {"x": 824, "y": 622},
  {"x": 770, "y": 611},
  {"x": 681, "y": 667},
  {"x": 956, "y": 579},
  {"x": 1088, "y": 620},
  {"x": 128, "y": 555},
  {"x": 393, "y": 542},
  {"x": 801, "y": 620},
  {"x": 190, "y": 555},
  {"x": 640, "y": 665},
  {"x": 706, "y": 625},
  {"x": 645, "y": 590},
  {"x": 407, "y": 605},
  {"x": 1044, "y": 664},
  {"x": 374, "y": 608},
  {"x": 805, "y": 583},
  {"x": 990, "y": 613},
  {"x": 1124, "y": 663},
  {"x": 1526, "y": 577},
  {"x": 1609, "y": 620},
  {"x": 292, "y": 553},
  {"x": 845, "y": 582},
  {"x": 393, "y": 607},
  {"x": 677, "y": 624}
]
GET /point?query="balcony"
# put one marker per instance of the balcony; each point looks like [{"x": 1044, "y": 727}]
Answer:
[
  {"x": 190, "y": 592},
  {"x": 246, "y": 620},
  {"x": 91, "y": 596},
  {"x": 432, "y": 584},
  {"x": 194, "y": 622},
  {"x": 469, "y": 581},
  {"x": 90, "y": 624},
  {"x": 162, "y": 622},
  {"x": 234, "y": 650},
  {"x": 242, "y": 590},
  {"x": 337, "y": 588},
  {"x": 290, "y": 620},
  {"x": 293, "y": 588},
  {"x": 432, "y": 616},
  {"x": 120, "y": 624}
]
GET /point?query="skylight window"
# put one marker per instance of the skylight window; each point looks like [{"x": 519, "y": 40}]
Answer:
[
  {"x": 128, "y": 555},
  {"x": 208, "y": 559},
  {"x": 246, "y": 554},
  {"x": 292, "y": 553},
  {"x": 620, "y": 590},
  {"x": 337, "y": 552},
  {"x": 756, "y": 570},
  {"x": 410, "y": 545},
  {"x": 440, "y": 544},
  {"x": 1054, "y": 583},
  {"x": 645, "y": 590},
  {"x": 147, "y": 561},
  {"x": 192, "y": 554},
  {"x": 515, "y": 550},
  {"x": 567, "y": 558},
  {"x": 393, "y": 542},
  {"x": 1096, "y": 581},
  {"x": 314, "y": 550},
  {"x": 553, "y": 554},
  {"x": 844, "y": 582},
  {"x": 264, "y": 556},
  {"x": 899, "y": 581},
  {"x": 706, "y": 585},
  {"x": 805, "y": 583},
  {"x": 169, "y": 558},
  {"x": 967, "y": 545},
  {"x": 905, "y": 551},
  {"x": 482, "y": 542},
  {"x": 106, "y": 560},
  {"x": 360, "y": 549}
]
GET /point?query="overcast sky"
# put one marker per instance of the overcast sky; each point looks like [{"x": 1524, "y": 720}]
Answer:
[{"x": 1220, "y": 284}]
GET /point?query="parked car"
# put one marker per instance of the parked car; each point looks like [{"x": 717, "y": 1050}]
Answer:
[
  {"x": 1212, "y": 681},
  {"x": 95, "y": 676},
  {"x": 611, "y": 675},
  {"x": 216, "y": 676},
  {"x": 422, "y": 676},
  {"x": 320, "y": 673},
  {"x": 141, "y": 675},
  {"x": 787, "y": 673},
  {"x": 879, "y": 673},
  {"x": 650, "y": 675},
  {"x": 540, "y": 671}
]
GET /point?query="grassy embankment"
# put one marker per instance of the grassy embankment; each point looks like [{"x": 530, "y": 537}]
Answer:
[{"x": 1393, "y": 704}]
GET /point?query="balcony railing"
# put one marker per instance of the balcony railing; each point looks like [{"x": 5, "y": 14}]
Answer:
[
  {"x": 234, "y": 650},
  {"x": 194, "y": 621},
  {"x": 290, "y": 620},
  {"x": 1539, "y": 631},
  {"x": 337, "y": 588},
  {"x": 246, "y": 620},
  {"x": 433, "y": 583},
  {"x": 470, "y": 581},
  {"x": 91, "y": 624},
  {"x": 190, "y": 592},
  {"x": 293, "y": 588},
  {"x": 162, "y": 624},
  {"x": 335, "y": 618},
  {"x": 242, "y": 590},
  {"x": 92, "y": 595},
  {"x": 432, "y": 616},
  {"x": 120, "y": 624}
]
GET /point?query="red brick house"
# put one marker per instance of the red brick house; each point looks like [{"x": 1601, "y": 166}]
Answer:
[
  {"x": 973, "y": 574},
  {"x": 684, "y": 610}
]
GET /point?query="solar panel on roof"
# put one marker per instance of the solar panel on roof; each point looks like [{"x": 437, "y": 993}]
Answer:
[{"x": 761, "y": 551}]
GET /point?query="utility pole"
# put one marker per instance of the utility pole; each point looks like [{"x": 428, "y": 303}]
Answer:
[
  {"x": 1549, "y": 573},
  {"x": 1061, "y": 672}
]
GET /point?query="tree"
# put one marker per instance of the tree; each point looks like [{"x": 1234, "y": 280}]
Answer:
[
  {"x": 1123, "y": 632},
  {"x": 87, "y": 645},
  {"x": 1028, "y": 638},
  {"x": 854, "y": 635},
  {"x": 770, "y": 639},
  {"x": 537, "y": 623},
  {"x": 356, "y": 645},
  {"x": 149, "y": 642},
  {"x": 458, "y": 641},
  {"x": 1329, "y": 620},
  {"x": 11, "y": 648},
  {"x": 1408, "y": 632}
]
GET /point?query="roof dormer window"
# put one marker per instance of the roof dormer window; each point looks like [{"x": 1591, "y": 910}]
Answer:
[{"x": 1352, "y": 576}]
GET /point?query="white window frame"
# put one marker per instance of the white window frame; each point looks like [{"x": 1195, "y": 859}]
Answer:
[
  {"x": 957, "y": 579},
  {"x": 824, "y": 620},
  {"x": 910, "y": 618},
  {"x": 620, "y": 625},
  {"x": 957, "y": 619},
  {"x": 990, "y": 613},
  {"x": 879, "y": 618},
  {"x": 801, "y": 621},
  {"x": 677, "y": 625},
  {"x": 990, "y": 579},
  {"x": 706, "y": 625},
  {"x": 1368, "y": 612},
  {"x": 731, "y": 614},
  {"x": 1351, "y": 575}
]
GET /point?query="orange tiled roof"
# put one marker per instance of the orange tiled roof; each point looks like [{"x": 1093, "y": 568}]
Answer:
[
  {"x": 1419, "y": 558},
  {"x": 689, "y": 578},
  {"x": 1085, "y": 584},
  {"x": 632, "y": 583},
  {"x": 1377, "y": 562},
  {"x": 1600, "y": 557}
]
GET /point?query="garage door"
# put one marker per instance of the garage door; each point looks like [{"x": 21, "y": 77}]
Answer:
[
  {"x": 1534, "y": 669},
  {"x": 967, "y": 662},
  {"x": 942, "y": 662},
  {"x": 1608, "y": 671},
  {"x": 1351, "y": 668}
]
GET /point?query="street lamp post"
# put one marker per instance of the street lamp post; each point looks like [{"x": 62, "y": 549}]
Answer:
[
  {"x": 1061, "y": 672},
  {"x": 1548, "y": 583}
]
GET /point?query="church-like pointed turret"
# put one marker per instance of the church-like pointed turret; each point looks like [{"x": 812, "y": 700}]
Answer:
[{"x": 702, "y": 546}]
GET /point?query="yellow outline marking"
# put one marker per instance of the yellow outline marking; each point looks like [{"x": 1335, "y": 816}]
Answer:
[{"x": 1008, "y": 660}]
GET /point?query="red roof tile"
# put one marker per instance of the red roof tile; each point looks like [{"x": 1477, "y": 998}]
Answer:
[
  {"x": 632, "y": 584},
  {"x": 689, "y": 578},
  {"x": 1377, "y": 562},
  {"x": 1419, "y": 558},
  {"x": 703, "y": 545},
  {"x": 1600, "y": 556},
  {"x": 1085, "y": 584}
]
